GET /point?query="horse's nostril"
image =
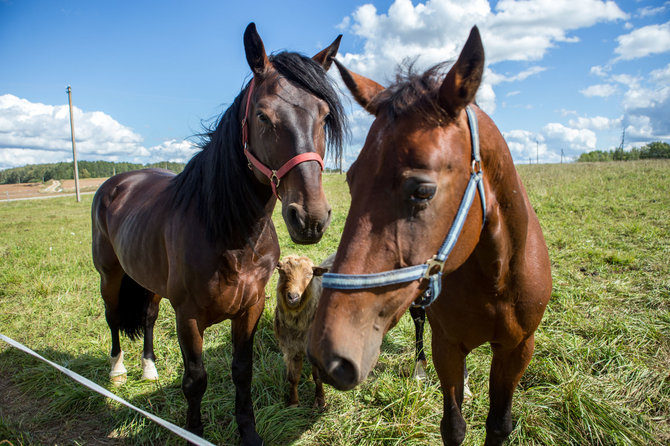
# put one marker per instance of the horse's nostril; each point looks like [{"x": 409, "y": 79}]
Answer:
[
  {"x": 295, "y": 216},
  {"x": 322, "y": 225},
  {"x": 343, "y": 373}
]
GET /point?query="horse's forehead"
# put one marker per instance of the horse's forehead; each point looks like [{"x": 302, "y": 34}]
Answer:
[
  {"x": 410, "y": 142},
  {"x": 282, "y": 95}
]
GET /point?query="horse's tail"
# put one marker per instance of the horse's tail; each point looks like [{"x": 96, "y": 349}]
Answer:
[{"x": 133, "y": 304}]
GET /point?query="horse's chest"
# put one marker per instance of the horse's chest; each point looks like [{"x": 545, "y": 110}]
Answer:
[{"x": 230, "y": 291}]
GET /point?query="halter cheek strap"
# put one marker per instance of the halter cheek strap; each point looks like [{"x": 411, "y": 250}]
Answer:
[
  {"x": 434, "y": 267},
  {"x": 274, "y": 176}
]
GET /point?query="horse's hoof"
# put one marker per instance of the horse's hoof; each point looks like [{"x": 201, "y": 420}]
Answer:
[
  {"x": 118, "y": 372},
  {"x": 292, "y": 405},
  {"x": 419, "y": 372},
  {"x": 319, "y": 405},
  {"x": 118, "y": 380},
  {"x": 149, "y": 372}
]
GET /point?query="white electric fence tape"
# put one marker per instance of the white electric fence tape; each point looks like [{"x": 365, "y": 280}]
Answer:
[{"x": 93, "y": 386}]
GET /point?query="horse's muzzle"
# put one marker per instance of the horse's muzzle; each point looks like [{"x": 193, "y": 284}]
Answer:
[
  {"x": 306, "y": 227},
  {"x": 337, "y": 371}
]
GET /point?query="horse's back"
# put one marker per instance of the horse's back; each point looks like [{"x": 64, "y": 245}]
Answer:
[{"x": 126, "y": 191}]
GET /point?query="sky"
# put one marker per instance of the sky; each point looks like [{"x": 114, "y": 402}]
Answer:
[{"x": 562, "y": 77}]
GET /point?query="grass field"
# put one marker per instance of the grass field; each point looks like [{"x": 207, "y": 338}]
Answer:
[{"x": 600, "y": 374}]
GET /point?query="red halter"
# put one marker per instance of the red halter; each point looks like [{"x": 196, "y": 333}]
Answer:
[{"x": 273, "y": 175}]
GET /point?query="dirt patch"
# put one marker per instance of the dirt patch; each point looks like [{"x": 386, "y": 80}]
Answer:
[
  {"x": 22, "y": 421},
  {"x": 31, "y": 190}
]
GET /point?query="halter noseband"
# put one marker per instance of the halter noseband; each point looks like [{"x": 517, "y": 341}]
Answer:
[
  {"x": 274, "y": 176},
  {"x": 434, "y": 267}
]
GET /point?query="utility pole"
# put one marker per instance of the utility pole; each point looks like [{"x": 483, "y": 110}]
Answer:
[
  {"x": 561, "y": 156},
  {"x": 537, "y": 152},
  {"x": 74, "y": 146}
]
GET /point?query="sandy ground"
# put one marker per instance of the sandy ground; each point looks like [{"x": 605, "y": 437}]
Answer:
[{"x": 32, "y": 190}]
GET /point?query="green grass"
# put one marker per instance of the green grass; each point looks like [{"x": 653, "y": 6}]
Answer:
[{"x": 600, "y": 374}]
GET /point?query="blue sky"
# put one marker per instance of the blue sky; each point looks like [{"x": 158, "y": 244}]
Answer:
[{"x": 561, "y": 75}]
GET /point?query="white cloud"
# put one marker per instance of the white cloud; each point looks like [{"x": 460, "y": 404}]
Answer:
[
  {"x": 649, "y": 11},
  {"x": 530, "y": 147},
  {"x": 652, "y": 39},
  {"x": 661, "y": 75},
  {"x": 595, "y": 123},
  {"x": 574, "y": 139},
  {"x": 173, "y": 150},
  {"x": 38, "y": 133},
  {"x": 600, "y": 70},
  {"x": 437, "y": 29},
  {"x": 522, "y": 30},
  {"x": 599, "y": 90}
]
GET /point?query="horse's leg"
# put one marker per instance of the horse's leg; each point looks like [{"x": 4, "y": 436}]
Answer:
[
  {"x": 319, "y": 395},
  {"x": 449, "y": 361},
  {"x": 243, "y": 329},
  {"x": 507, "y": 367},
  {"x": 110, "y": 284},
  {"x": 419, "y": 317},
  {"x": 194, "y": 382},
  {"x": 149, "y": 371},
  {"x": 293, "y": 372}
]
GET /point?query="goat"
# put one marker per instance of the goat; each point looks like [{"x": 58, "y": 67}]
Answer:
[{"x": 298, "y": 293}]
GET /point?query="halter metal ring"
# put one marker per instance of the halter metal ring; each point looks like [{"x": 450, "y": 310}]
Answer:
[
  {"x": 476, "y": 166},
  {"x": 274, "y": 179},
  {"x": 432, "y": 263}
]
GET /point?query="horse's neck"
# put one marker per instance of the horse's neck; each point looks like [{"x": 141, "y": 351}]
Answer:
[{"x": 507, "y": 216}]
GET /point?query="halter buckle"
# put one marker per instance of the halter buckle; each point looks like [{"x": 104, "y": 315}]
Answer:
[
  {"x": 476, "y": 166},
  {"x": 435, "y": 266},
  {"x": 274, "y": 179}
]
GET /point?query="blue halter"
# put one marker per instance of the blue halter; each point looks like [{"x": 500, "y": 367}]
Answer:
[{"x": 434, "y": 267}]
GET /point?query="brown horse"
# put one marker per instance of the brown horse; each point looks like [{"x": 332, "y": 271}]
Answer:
[
  {"x": 204, "y": 239},
  {"x": 407, "y": 186}
]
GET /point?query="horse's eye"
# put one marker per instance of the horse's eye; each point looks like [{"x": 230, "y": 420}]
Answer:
[
  {"x": 263, "y": 117},
  {"x": 423, "y": 193}
]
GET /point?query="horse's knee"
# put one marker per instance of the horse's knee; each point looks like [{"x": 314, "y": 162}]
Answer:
[
  {"x": 498, "y": 429},
  {"x": 452, "y": 428},
  {"x": 194, "y": 382}
]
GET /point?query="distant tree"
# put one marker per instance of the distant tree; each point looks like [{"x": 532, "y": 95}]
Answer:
[
  {"x": 656, "y": 149},
  {"x": 87, "y": 169}
]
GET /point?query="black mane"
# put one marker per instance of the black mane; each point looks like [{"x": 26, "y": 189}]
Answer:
[{"x": 217, "y": 181}]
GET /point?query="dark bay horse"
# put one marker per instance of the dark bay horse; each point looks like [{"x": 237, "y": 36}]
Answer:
[
  {"x": 204, "y": 239},
  {"x": 435, "y": 165}
]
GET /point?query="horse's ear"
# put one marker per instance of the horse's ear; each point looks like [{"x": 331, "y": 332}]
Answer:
[
  {"x": 255, "y": 51},
  {"x": 462, "y": 81},
  {"x": 325, "y": 57},
  {"x": 362, "y": 88}
]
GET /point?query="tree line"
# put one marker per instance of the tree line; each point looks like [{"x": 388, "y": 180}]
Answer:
[
  {"x": 656, "y": 149},
  {"x": 35, "y": 173}
]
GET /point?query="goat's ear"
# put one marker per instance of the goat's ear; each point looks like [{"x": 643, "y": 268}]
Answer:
[
  {"x": 362, "y": 88},
  {"x": 325, "y": 57},
  {"x": 255, "y": 51},
  {"x": 462, "y": 81},
  {"x": 319, "y": 271}
]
